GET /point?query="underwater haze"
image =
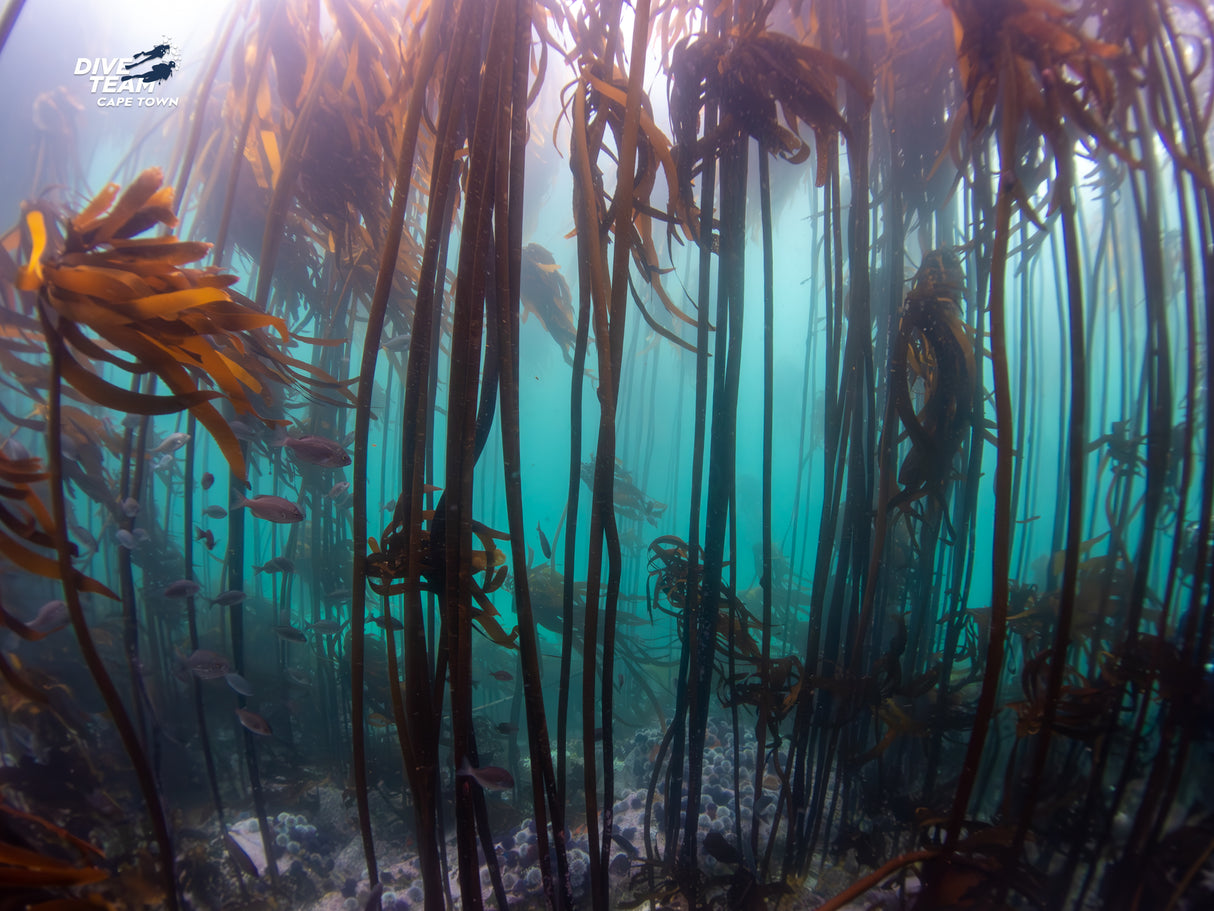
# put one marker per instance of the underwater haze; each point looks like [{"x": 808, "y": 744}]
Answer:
[{"x": 664, "y": 454}]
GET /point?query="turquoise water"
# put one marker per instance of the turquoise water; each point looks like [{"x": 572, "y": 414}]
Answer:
[{"x": 335, "y": 650}]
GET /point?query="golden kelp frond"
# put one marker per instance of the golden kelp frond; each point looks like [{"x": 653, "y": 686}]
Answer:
[
  {"x": 26, "y": 869},
  {"x": 386, "y": 570},
  {"x": 750, "y": 76},
  {"x": 345, "y": 93},
  {"x": 548, "y": 19},
  {"x": 181, "y": 324},
  {"x": 1148, "y": 31},
  {"x": 26, "y": 524},
  {"x": 605, "y": 106},
  {"x": 932, "y": 360},
  {"x": 22, "y": 868},
  {"x": 673, "y": 21},
  {"x": 609, "y": 98},
  {"x": 1033, "y": 54}
]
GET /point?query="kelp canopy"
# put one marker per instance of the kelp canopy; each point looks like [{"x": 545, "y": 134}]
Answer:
[{"x": 839, "y": 531}]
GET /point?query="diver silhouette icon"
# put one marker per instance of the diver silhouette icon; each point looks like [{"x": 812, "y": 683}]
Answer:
[
  {"x": 159, "y": 73},
  {"x": 154, "y": 54}
]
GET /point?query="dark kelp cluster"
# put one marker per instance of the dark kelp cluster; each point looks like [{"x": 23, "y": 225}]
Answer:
[{"x": 973, "y": 672}]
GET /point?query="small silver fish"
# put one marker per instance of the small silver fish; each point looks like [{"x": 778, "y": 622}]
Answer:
[
  {"x": 338, "y": 489},
  {"x": 246, "y": 433},
  {"x": 126, "y": 539},
  {"x": 51, "y": 617},
  {"x": 319, "y": 451},
  {"x": 207, "y": 665},
  {"x": 254, "y": 722},
  {"x": 130, "y": 507},
  {"x": 215, "y": 512},
  {"x": 182, "y": 588},
  {"x": 397, "y": 342},
  {"x": 238, "y": 683},
  {"x": 290, "y": 634},
  {"x": 85, "y": 539},
  {"x": 207, "y": 480},
  {"x": 271, "y": 508},
  {"x": 325, "y": 627},
  {"x": 275, "y": 565},
  {"x": 228, "y": 598},
  {"x": 171, "y": 443},
  {"x": 490, "y": 777}
]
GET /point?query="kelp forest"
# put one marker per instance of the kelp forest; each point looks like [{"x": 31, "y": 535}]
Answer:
[{"x": 657, "y": 454}]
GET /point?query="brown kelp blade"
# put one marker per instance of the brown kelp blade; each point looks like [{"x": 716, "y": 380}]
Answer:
[
  {"x": 22, "y": 868},
  {"x": 182, "y": 324}
]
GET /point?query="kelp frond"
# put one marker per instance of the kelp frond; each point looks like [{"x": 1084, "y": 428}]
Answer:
[
  {"x": 751, "y": 75},
  {"x": 26, "y": 524},
  {"x": 137, "y": 295}
]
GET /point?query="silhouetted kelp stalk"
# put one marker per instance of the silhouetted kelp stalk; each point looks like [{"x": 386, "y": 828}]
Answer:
[
  {"x": 453, "y": 523},
  {"x": 586, "y": 242},
  {"x": 130, "y": 617},
  {"x": 1168, "y": 90},
  {"x": 105, "y": 686},
  {"x": 418, "y": 716},
  {"x": 1004, "y": 446},
  {"x": 843, "y": 531},
  {"x": 12, "y": 11},
  {"x": 267, "y": 20},
  {"x": 136, "y": 295},
  {"x": 608, "y": 312},
  {"x": 197, "y": 110},
  {"x": 277, "y": 155},
  {"x": 689, "y": 662},
  {"x": 415, "y": 724},
  {"x": 490, "y": 129},
  {"x": 234, "y": 564},
  {"x": 27, "y": 868},
  {"x": 508, "y": 212},
  {"x": 801, "y": 90},
  {"x": 764, "y": 708},
  {"x": 286, "y": 179},
  {"x": 204, "y": 735},
  {"x": 1064, "y": 189},
  {"x": 1195, "y": 220}
]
